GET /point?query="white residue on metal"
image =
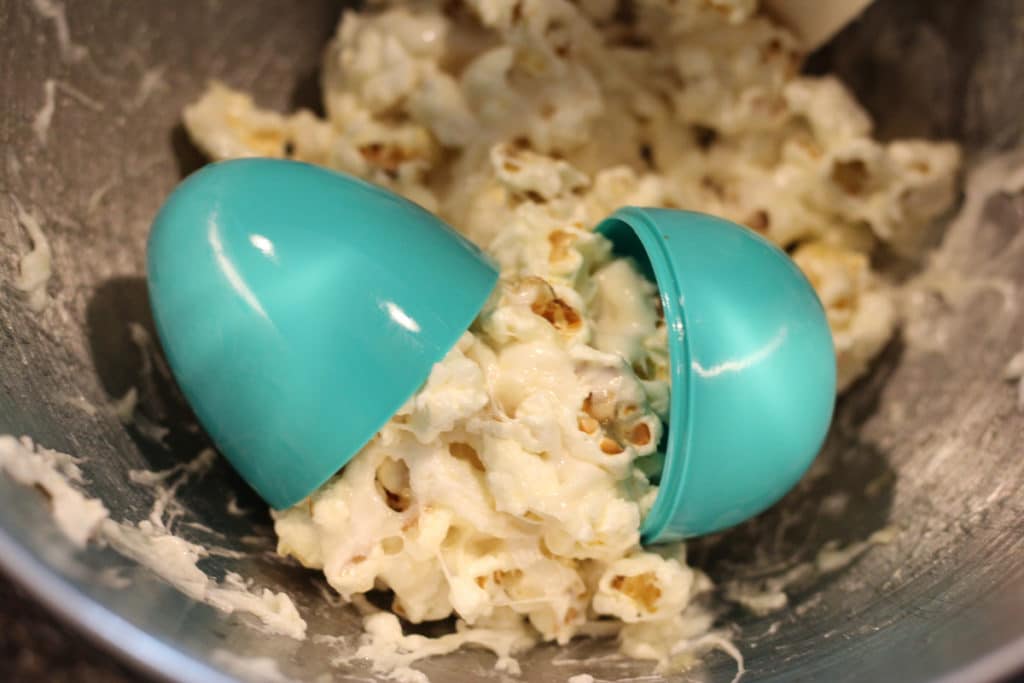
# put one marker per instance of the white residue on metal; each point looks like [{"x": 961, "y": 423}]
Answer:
[
  {"x": 1000, "y": 174},
  {"x": 807, "y": 605},
  {"x": 41, "y": 121},
  {"x": 82, "y": 403},
  {"x": 832, "y": 558},
  {"x": 80, "y": 97},
  {"x": 329, "y": 640},
  {"x": 202, "y": 527},
  {"x": 772, "y": 629},
  {"x": 834, "y": 505},
  {"x": 879, "y": 484},
  {"x": 250, "y": 539},
  {"x": 140, "y": 337},
  {"x": 615, "y": 659},
  {"x": 36, "y": 265},
  {"x": 218, "y": 551},
  {"x": 77, "y": 515},
  {"x": 150, "y": 430},
  {"x": 712, "y": 641},
  {"x": 391, "y": 651},
  {"x": 13, "y": 163},
  {"x": 249, "y": 667},
  {"x": 233, "y": 508},
  {"x": 175, "y": 560},
  {"x": 1014, "y": 372},
  {"x": 406, "y": 674},
  {"x": 923, "y": 328},
  {"x": 328, "y": 594},
  {"x": 124, "y": 408},
  {"x": 276, "y": 611},
  {"x": 767, "y": 595},
  {"x": 150, "y": 357},
  {"x": 165, "y": 484},
  {"x": 1014, "y": 367},
  {"x": 149, "y": 542},
  {"x": 114, "y": 578},
  {"x": 98, "y": 195},
  {"x": 179, "y": 473},
  {"x": 152, "y": 79},
  {"x": 54, "y": 11}
]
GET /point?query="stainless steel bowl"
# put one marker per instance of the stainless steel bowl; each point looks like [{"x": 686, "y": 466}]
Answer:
[{"x": 929, "y": 442}]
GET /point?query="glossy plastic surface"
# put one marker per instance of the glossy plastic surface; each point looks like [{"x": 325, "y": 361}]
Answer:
[
  {"x": 753, "y": 367},
  {"x": 299, "y": 308}
]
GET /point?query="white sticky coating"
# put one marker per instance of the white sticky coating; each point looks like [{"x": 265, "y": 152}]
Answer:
[
  {"x": 166, "y": 483},
  {"x": 581, "y": 678},
  {"x": 151, "y": 81},
  {"x": 768, "y": 595},
  {"x": 52, "y": 10},
  {"x": 929, "y": 330},
  {"x": 391, "y": 651},
  {"x": 41, "y": 121},
  {"x": 149, "y": 542},
  {"x": 36, "y": 265},
  {"x": 250, "y": 668},
  {"x": 80, "y": 97},
  {"x": 78, "y": 516}
]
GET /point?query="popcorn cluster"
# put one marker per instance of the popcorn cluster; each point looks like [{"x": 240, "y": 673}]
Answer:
[{"x": 509, "y": 491}]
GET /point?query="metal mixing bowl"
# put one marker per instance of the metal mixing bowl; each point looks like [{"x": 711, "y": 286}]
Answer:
[{"x": 928, "y": 442}]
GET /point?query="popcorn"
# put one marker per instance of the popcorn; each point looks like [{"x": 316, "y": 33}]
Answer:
[
  {"x": 860, "y": 312},
  {"x": 226, "y": 124},
  {"x": 528, "y": 173},
  {"x": 509, "y": 491},
  {"x": 642, "y": 587}
]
